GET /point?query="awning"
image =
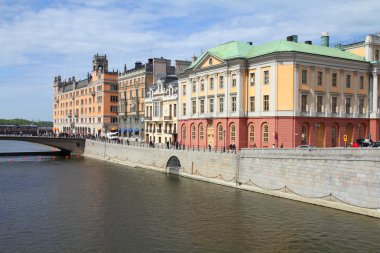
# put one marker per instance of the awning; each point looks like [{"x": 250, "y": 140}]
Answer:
[
  {"x": 136, "y": 130},
  {"x": 130, "y": 130},
  {"x": 114, "y": 129},
  {"x": 124, "y": 130}
]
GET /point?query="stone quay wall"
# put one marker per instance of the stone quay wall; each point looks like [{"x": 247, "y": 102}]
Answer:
[{"x": 345, "y": 179}]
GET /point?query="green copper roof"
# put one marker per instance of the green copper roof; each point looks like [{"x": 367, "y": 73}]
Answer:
[
  {"x": 236, "y": 49},
  {"x": 288, "y": 46},
  {"x": 229, "y": 50}
]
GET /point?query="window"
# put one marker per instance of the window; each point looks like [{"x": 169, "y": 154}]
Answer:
[
  {"x": 304, "y": 76},
  {"x": 320, "y": 78},
  {"x": 113, "y": 119},
  {"x": 251, "y": 132},
  {"x": 194, "y": 106},
  {"x": 114, "y": 99},
  {"x": 184, "y": 132},
  {"x": 113, "y": 108},
  {"x": 194, "y": 86},
  {"x": 348, "y": 105},
  {"x": 221, "y": 104},
  {"x": 232, "y": 133},
  {"x": 175, "y": 110},
  {"x": 234, "y": 80},
  {"x": 211, "y": 105},
  {"x": 334, "y": 104},
  {"x": 201, "y": 132},
  {"x": 220, "y": 132},
  {"x": 334, "y": 135},
  {"x": 99, "y": 108},
  {"x": 184, "y": 89},
  {"x": 202, "y": 84},
  {"x": 266, "y": 77},
  {"x": 233, "y": 104},
  {"x": 377, "y": 55},
  {"x": 221, "y": 82},
  {"x": 304, "y": 103},
  {"x": 202, "y": 105},
  {"x": 319, "y": 103},
  {"x": 99, "y": 120},
  {"x": 252, "y": 80},
  {"x": 113, "y": 87},
  {"x": 265, "y": 133},
  {"x": 193, "y": 132},
  {"x": 361, "y": 84},
  {"x": 361, "y": 105},
  {"x": 210, "y": 61},
  {"x": 184, "y": 109},
  {"x": 334, "y": 78},
  {"x": 252, "y": 104},
  {"x": 266, "y": 103},
  {"x": 348, "y": 81},
  {"x": 211, "y": 83}
]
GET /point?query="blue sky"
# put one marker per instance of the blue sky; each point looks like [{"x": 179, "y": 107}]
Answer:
[{"x": 40, "y": 39}]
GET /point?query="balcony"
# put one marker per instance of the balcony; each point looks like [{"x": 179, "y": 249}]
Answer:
[
  {"x": 69, "y": 114},
  {"x": 92, "y": 93},
  {"x": 159, "y": 131},
  {"x": 170, "y": 117},
  {"x": 148, "y": 117},
  {"x": 76, "y": 115}
]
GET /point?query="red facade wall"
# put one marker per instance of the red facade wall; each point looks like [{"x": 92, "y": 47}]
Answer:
[{"x": 286, "y": 131}]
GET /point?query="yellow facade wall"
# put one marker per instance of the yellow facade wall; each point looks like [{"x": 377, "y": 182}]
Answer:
[
  {"x": 358, "y": 51},
  {"x": 285, "y": 87},
  {"x": 206, "y": 62}
]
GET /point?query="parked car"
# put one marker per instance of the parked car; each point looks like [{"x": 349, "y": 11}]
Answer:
[
  {"x": 376, "y": 144},
  {"x": 306, "y": 146}
]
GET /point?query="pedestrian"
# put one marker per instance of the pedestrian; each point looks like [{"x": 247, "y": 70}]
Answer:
[
  {"x": 273, "y": 146},
  {"x": 254, "y": 145},
  {"x": 282, "y": 145}
]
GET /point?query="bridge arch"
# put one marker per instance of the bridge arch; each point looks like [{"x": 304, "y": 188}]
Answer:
[{"x": 173, "y": 165}]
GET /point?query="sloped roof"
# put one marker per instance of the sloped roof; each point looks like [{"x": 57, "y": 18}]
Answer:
[
  {"x": 229, "y": 50},
  {"x": 237, "y": 49},
  {"x": 288, "y": 46}
]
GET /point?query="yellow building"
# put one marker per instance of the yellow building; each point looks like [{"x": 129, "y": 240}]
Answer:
[
  {"x": 133, "y": 85},
  {"x": 89, "y": 106},
  {"x": 282, "y": 92}
]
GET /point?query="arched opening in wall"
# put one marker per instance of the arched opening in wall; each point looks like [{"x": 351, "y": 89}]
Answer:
[
  {"x": 334, "y": 135},
  {"x": 232, "y": 134},
  {"x": 173, "y": 165},
  {"x": 265, "y": 135},
  {"x": 192, "y": 139},
  {"x": 201, "y": 135},
  {"x": 361, "y": 130},
  {"x": 251, "y": 135},
  {"x": 210, "y": 134},
  {"x": 320, "y": 134},
  {"x": 305, "y": 134},
  {"x": 349, "y": 130},
  {"x": 183, "y": 134}
]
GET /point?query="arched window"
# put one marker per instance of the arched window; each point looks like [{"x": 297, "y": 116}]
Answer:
[
  {"x": 305, "y": 134},
  {"x": 232, "y": 132},
  {"x": 266, "y": 133},
  {"x": 201, "y": 132},
  {"x": 334, "y": 135},
  {"x": 184, "y": 132},
  {"x": 251, "y": 133},
  {"x": 193, "y": 131},
  {"x": 220, "y": 132}
]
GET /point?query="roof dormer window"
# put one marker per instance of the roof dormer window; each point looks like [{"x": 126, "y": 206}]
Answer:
[{"x": 210, "y": 61}]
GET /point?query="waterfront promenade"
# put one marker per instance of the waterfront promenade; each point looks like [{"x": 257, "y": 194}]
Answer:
[{"x": 345, "y": 179}]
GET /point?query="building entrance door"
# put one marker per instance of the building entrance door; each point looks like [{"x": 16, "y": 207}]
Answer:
[
  {"x": 210, "y": 134},
  {"x": 320, "y": 135}
]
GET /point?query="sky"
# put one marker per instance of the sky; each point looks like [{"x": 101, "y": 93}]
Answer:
[{"x": 40, "y": 39}]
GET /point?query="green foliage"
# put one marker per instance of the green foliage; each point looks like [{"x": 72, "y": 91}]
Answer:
[{"x": 25, "y": 122}]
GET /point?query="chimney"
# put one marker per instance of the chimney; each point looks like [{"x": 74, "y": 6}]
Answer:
[
  {"x": 125, "y": 67},
  {"x": 325, "y": 39},
  {"x": 194, "y": 58},
  {"x": 292, "y": 38},
  {"x": 309, "y": 42},
  {"x": 138, "y": 64}
]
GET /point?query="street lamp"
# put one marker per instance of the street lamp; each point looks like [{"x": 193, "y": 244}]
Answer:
[{"x": 224, "y": 137}]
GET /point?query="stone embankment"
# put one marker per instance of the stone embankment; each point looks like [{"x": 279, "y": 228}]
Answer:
[{"x": 345, "y": 179}]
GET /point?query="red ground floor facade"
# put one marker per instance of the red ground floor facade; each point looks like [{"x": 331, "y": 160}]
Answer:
[{"x": 264, "y": 132}]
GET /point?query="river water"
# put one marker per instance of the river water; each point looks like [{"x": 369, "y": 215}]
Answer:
[{"x": 52, "y": 204}]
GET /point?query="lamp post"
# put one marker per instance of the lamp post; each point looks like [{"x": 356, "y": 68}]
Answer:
[{"x": 224, "y": 138}]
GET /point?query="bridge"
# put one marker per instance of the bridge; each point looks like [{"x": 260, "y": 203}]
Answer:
[{"x": 68, "y": 146}]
